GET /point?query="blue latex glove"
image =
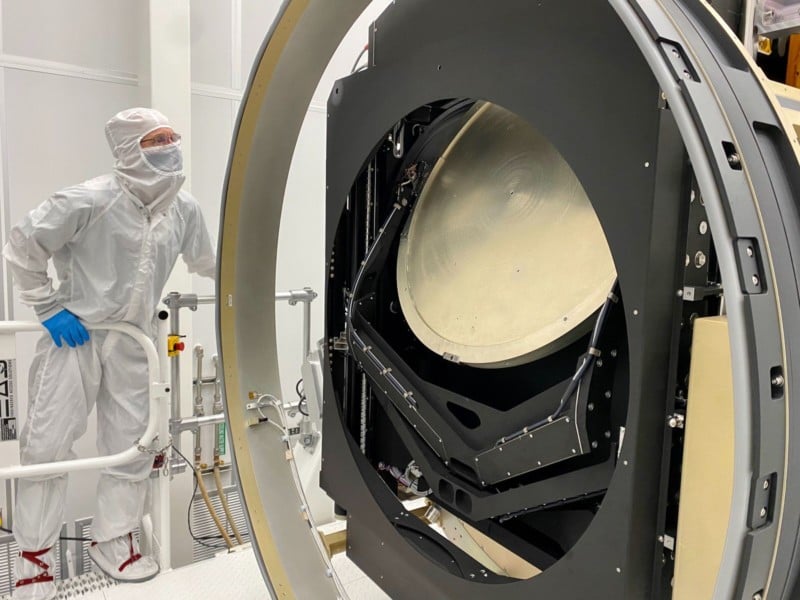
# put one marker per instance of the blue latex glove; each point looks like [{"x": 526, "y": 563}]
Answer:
[{"x": 65, "y": 324}]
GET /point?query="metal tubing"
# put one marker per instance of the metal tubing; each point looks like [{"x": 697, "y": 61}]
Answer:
[
  {"x": 176, "y": 301},
  {"x": 175, "y": 362},
  {"x": 161, "y": 348},
  {"x": 157, "y": 390},
  {"x": 192, "y": 423},
  {"x": 224, "y": 501},
  {"x": 306, "y": 329},
  {"x": 198, "y": 380},
  {"x": 295, "y": 296},
  {"x": 217, "y": 408},
  {"x": 204, "y": 492},
  {"x": 198, "y": 402}
]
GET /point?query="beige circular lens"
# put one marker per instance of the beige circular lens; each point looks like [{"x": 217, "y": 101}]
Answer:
[{"x": 504, "y": 259}]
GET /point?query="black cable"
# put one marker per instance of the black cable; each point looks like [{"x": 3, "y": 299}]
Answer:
[
  {"x": 61, "y": 537},
  {"x": 198, "y": 539},
  {"x": 358, "y": 60},
  {"x": 589, "y": 359},
  {"x": 303, "y": 399}
]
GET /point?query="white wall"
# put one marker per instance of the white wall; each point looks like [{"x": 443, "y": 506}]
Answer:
[{"x": 67, "y": 66}]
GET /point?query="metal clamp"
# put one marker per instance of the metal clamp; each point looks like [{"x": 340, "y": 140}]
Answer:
[
  {"x": 295, "y": 296},
  {"x": 178, "y": 300},
  {"x": 697, "y": 293},
  {"x": 261, "y": 401}
]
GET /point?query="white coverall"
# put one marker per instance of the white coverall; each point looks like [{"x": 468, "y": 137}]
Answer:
[{"x": 113, "y": 241}]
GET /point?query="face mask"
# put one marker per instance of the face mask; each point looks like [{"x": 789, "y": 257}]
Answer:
[{"x": 167, "y": 160}]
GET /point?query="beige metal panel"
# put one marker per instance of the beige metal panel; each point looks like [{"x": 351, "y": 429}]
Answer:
[
  {"x": 504, "y": 259},
  {"x": 789, "y": 100},
  {"x": 485, "y": 550},
  {"x": 707, "y": 479},
  {"x": 283, "y": 83}
]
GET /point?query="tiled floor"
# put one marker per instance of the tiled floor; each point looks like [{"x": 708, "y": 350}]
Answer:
[
  {"x": 358, "y": 585},
  {"x": 232, "y": 576}
]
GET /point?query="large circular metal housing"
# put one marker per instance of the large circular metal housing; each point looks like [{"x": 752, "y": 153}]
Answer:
[{"x": 692, "y": 87}]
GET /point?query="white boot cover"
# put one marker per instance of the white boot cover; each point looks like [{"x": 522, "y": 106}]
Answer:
[
  {"x": 34, "y": 578},
  {"x": 120, "y": 559}
]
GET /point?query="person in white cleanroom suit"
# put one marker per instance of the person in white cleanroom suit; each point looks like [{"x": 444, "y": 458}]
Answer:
[{"x": 113, "y": 241}]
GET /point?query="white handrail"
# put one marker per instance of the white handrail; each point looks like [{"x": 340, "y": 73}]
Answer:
[{"x": 156, "y": 390}]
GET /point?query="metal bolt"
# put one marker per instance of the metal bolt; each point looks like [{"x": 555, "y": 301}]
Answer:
[
  {"x": 594, "y": 444},
  {"x": 608, "y": 435},
  {"x": 607, "y": 394},
  {"x": 758, "y": 596},
  {"x": 763, "y": 513},
  {"x": 766, "y": 484},
  {"x": 635, "y": 312},
  {"x": 700, "y": 260},
  {"x": 613, "y": 354},
  {"x": 703, "y": 228},
  {"x": 676, "y": 421},
  {"x": 778, "y": 381},
  {"x": 756, "y": 280},
  {"x": 734, "y": 160},
  {"x": 750, "y": 251},
  {"x": 625, "y": 462},
  {"x": 590, "y": 406}
]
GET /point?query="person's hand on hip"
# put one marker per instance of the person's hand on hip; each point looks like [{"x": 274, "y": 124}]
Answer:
[{"x": 66, "y": 325}]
